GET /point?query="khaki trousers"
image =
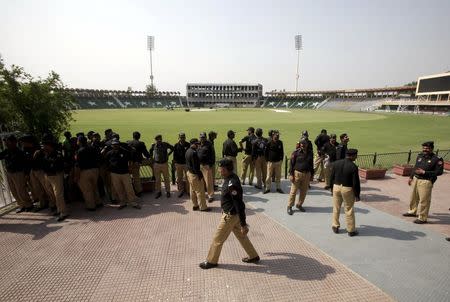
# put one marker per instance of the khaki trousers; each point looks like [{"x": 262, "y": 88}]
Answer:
[
  {"x": 273, "y": 168},
  {"x": 18, "y": 186},
  {"x": 196, "y": 190},
  {"x": 327, "y": 174},
  {"x": 344, "y": 194},
  {"x": 260, "y": 170},
  {"x": 182, "y": 180},
  {"x": 420, "y": 198},
  {"x": 38, "y": 187},
  {"x": 135, "y": 168},
  {"x": 123, "y": 188},
  {"x": 247, "y": 162},
  {"x": 229, "y": 223},
  {"x": 208, "y": 177},
  {"x": 301, "y": 182},
  {"x": 318, "y": 167},
  {"x": 233, "y": 159},
  {"x": 163, "y": 169},
  {"x": 105, "y": 175},
  {"x": 56, "y": 183},
  {"x": 88, "y": 186}
]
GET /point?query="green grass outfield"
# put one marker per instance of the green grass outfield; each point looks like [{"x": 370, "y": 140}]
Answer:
[{"x": 369, "y": 132}]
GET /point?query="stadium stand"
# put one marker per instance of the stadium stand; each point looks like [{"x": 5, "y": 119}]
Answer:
[{"x": 352, "y": 104}]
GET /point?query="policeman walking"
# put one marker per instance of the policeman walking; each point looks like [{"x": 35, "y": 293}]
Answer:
[
  {"x": 230, "y": 149},
  {"x": 139, "y": 151},
  {"x": 425, "y": 172},
  {"x": 345, "y": 187},
  {"x": 300, "y": 172},
  {"x": 160, "y": 156},
  {"x": 233, "y": 218},
  {"x": 179, "y": 159},
  {"x": 194, "y": 176},
  {"x": 247, "y": 162},
  {"x": 274, "y": 156}
]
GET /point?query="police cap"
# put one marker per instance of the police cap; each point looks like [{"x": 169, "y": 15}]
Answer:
[
  {"x": 115, "y": 141},
  {"x": 226, "y": 163},
  {"x": 333, "y": 136},
  {"x": 194, "y": 141},
  {"x": 305, "y": 133},
  {"x": 202, "y": 135},
  {"x": 351, "y": 152},
  {"x": 429, "y": 144},
  {"x": 251, "y": 129},
  {"x": 158, "y": 136}
]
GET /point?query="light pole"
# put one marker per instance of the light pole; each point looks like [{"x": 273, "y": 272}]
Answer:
[
  {"x": 151, "y": 47},
  {"x": 298, "y": 47}
]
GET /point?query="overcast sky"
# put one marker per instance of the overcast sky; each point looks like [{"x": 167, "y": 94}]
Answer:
[{"x": 347, "y": 44}]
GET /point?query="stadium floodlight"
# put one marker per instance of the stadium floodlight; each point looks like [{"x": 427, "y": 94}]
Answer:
[
  {"x": 298, "y": 47},
  {"x": 150, "y": 48}
]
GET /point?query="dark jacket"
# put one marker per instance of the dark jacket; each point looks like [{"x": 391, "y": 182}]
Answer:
[
  {"x": 231, "y": 198},
  {"x": 159, "y": 152},
  {"x": 320, "y": 141},
  {"x": 139, "y": 150},
  {"x": 274, "y": 151},
  {"x": 118, "y": 161},
  {"x": 179, "y": 152},
  {"x": 14, "y": 160},
  {"x": 248, "y": 140},
  {"x": 206, "y": 154},
  {"x": 87, "y": 158},
  {"x": 230, "y": 148},
  {"x": 53, "y": 163},
  {"x": 345, "y": 172},
  {"x": 301, "y": 161},
  {"x": 193, "y": 162},
  {"x": 433, "y": 166},
  {"x": 330, "y": 150}
]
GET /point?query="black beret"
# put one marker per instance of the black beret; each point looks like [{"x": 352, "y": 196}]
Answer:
[
  {"x": 251, "y": 129},
  {"x": 351, "y": 152},
  {"x": 428, "y": 144},
  {"x": 158, "y": 136},
  {"x": 193, "y": 141}
]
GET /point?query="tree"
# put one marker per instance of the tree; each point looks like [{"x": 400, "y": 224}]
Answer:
[
  {"x": 34, "y": 106},
  {"x": 151, "y": 90},
  {"x": 413, "y": 83}
]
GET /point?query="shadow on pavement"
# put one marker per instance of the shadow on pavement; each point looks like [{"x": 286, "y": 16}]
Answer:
[
  {"x": 440, "y": 218},
  {"x": 293, "y": 266},
  {"x": 377, "y": 197},
  {"x": 38, "y": 230},
  {"x": 369, "y": 230},
  {"x": 330, "y": 210}
]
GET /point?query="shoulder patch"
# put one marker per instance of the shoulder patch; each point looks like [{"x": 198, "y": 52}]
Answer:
[
  {"x": 234, "y": 192},
  {"x": 440, "y": 163}
]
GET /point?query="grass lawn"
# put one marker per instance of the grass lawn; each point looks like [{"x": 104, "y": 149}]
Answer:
[{"x": 368, "y": 132}]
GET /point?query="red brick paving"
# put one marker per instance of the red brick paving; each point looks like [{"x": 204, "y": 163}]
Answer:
[
  {"x": 392, "y": 194},
  {"x": 153, "y": 255}
]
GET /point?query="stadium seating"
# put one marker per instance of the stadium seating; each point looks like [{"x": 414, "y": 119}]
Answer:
[{"x": 351, "y": 104}]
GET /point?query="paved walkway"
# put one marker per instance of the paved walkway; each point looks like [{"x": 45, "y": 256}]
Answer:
[{"x": 153, "y": 254}]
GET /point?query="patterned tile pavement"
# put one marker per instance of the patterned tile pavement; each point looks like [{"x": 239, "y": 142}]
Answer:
[{"x": 153, "y": 254}]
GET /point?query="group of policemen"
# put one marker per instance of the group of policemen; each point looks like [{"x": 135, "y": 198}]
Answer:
[{"x": 109, "y": 170}]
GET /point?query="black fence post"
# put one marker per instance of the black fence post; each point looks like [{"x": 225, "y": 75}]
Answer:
[
  {"x": 172, "y": 166},
  {"x": 374, "y": 159},
  {"x": 285, "y": 167},
  {"x": 409, "y": 157}
]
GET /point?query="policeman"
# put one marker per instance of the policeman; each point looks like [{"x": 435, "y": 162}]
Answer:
[
  {"x": 212, "y": 135},
  {"x": 247, "y": 161},
  {"x": 341, "y": 149},
  {"x": 258, "y": 155},
  {"x": 119, "y": 160},
  {"x": 345, "y": 187},
  {"x": 53, "y": 166},
  {"x": 425, "y": 172},
  {"x": 320, "y": 141},
  {"x": 233, "y": 218},
  {"x": 15, "y": 173},
  {"x": 300, "y": 171},
  {"x": 87, "y": 173},
  {"x": 179, "y": 159},
  {"x": 329, "y": 151},
  {"x": 160, "y": 157},
  {"x": 206, "y": 155},
  {"x": 139, "y": 151},
  {"x": 230, "y": 149},
  {"x": 274, "y": 155},
  {"x": 194, "y": 176},
  {"x": 309, "y": 147}
]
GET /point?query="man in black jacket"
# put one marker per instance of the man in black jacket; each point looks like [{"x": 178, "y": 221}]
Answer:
[
  {"x": 179, "y": 159},
  {"x": 195, "y": 176},
  {"x": 342, "y": 147},
  {"x": 206, "y": 156},
  {"x": 160, "y": 157},
  {"x": 247, "y": 161},
  {"x": 230, "y": 149},
  {"x": 274, "y": 156},
  {"x": 329, "y": 151},
  {"x": 345, "y": 187},
  {"x": 139, "y": 151},
  {"x": 320, "y": 141},
  {"x": 259, "y": 146},
  {"x": 300, "y": 172},
  {"x": 233, "y": 218}
]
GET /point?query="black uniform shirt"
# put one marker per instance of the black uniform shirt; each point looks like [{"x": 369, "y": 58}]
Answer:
[
  {"x": 345, "y": 172},
  {"x": 14, "y": 160},
  {"x": 206, "y": 154},
  {"x": 87, "y": 158},
  {"x": 53, "y": 163},
  {"x": 231, "y": 198},
  {"x": 274, "y": 151},
  {"x": 301, "y": 161},
  {"x": 259, "y": 146},
  {"x": 179, "y": 152},
  {"x": 118, "y": 160},
  {"x": 229, "y": 148},
  {"x": 248, "y": 140},
  {"x": 330, "y": 150},
  {"x": 28, "y": 154},
  {"x": 193, "y": 162},
  {"x": 139, "y": 150},
  {"x": 433, "y": 166},
  {"x": 341, "y": 150},
  {"x": 321, "y": 140},
  {"x": 159, "y": 152},
  {"x": 38, "y": 160}
]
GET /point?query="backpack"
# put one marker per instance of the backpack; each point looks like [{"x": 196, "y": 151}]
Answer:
[{"x": 260, "y": 145}]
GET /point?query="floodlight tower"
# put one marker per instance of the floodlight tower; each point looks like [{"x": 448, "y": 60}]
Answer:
[
  {"x": 151, "y": 47},
  {"x": 298, "y": 47}
]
